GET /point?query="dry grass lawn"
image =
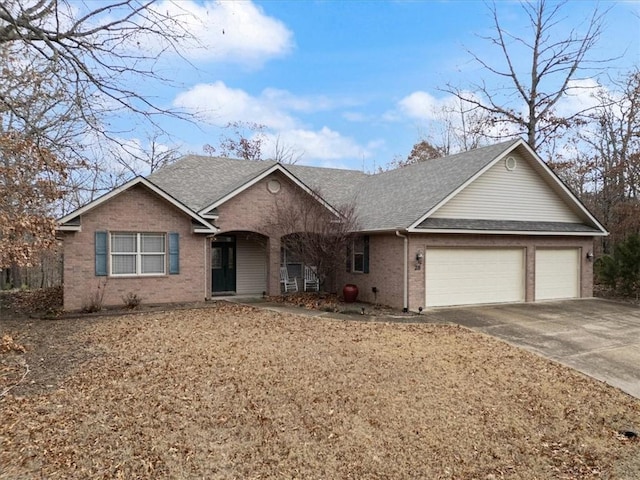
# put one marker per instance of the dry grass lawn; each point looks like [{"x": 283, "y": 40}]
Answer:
[{"x": 233, "y": 392}]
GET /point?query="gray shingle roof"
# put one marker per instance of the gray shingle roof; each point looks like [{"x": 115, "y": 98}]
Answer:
[
  {"x": 336, "y": 186},
  {"x": 398, "y": 198},
  {"x": 505, "y": 225},
  {"x": 385, "y": 201},
  {"x": 198, "y": 181}
]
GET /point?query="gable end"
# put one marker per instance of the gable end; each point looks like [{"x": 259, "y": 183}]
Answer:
[{"x": 511, "y": 190}]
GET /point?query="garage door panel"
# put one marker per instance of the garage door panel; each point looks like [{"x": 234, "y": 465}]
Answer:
[
  {"x": 473, "y": 276},
  {"x": 557, "y": 273}
]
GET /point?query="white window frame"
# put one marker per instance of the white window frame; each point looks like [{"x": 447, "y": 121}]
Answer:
[{"x": 139, "y": 254}]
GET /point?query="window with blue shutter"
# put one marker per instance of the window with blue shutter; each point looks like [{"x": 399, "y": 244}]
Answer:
[
  {"x": 101, "y": 254},
  {"x": 174, "y": 253}
]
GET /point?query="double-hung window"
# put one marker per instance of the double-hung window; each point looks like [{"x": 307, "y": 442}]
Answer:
[
  {"x": 358, "y": 255},
  {"x": 138, "y": 254}
]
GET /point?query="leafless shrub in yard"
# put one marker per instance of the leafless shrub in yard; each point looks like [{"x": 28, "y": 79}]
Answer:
[
  {"x": 132, "y": 300},
  {"x": 316, "y": 233},
  {"x": 94, "y": 302}
]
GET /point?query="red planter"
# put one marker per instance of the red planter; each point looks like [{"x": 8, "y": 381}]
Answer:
[{"x": 350, "y": 293}]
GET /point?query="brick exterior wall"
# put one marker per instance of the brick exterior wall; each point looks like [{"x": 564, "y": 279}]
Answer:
[
  {"x": 252, "y": 211},
  {"x": 386, "y": 267},
  {"x": 139, "y": 210},
  {"x": 134, "y": 210},
  {"x": 530, "y": 243},
  {"x": 386, "y": 263}
]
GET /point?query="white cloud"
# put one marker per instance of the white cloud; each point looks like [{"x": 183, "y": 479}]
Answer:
[
  {"x": 424, "y": 106},
  {"x": 289, "y": 101},
  {"x": 420, "y": 105},
  {"x": 220, "y": 104},
  {"x": 325, "y": 145},
  {"x": 580, "y": 95},
  {"x": 229, "y": 31},
  {"x": 278, "y": 111}
]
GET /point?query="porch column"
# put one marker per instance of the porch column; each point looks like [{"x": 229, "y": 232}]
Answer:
[{"x": 273, "y": 262}]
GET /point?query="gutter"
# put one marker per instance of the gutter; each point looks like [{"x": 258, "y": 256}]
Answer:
[{"x": 405, "y": 296}]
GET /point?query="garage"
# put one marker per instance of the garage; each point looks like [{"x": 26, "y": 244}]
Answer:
[
  {"x": 557, "y": 273},
  {"x": 463, "y": 276}
]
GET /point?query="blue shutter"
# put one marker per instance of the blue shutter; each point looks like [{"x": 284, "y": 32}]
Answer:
[
  {"x": 365, "y": 262},
  {"x": 101, "y": 254},
  {"x": 174, "y": 253}
]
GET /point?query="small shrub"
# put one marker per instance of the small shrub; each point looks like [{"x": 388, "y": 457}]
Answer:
[
  {"x": 132, "y": 301},
  {"x": 621, "y": 271},
  {"x": 628, "y": 256},
  {"x": 607, "y": 271},
  {"x": 94, "y": 302}
]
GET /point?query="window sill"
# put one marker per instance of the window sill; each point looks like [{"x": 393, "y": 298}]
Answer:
[{"x": 141, "y": 275}]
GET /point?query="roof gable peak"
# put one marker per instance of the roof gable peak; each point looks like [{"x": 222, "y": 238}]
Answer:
[{"x": 68, "y": 221}]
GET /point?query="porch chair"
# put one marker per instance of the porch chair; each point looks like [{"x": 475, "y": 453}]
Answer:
[
  {"x": 311, "y": 281},
  {"x": 289, "y": 284}
]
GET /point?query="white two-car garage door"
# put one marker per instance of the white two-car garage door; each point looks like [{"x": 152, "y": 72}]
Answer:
[
  {"x": 557, "y": 273},
  {"x": 463, "y": 276}
]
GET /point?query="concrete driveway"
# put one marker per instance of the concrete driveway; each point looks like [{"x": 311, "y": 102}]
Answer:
[{"x": 597, "y": 337}]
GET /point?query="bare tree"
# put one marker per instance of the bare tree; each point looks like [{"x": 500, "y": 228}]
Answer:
[
  {"x": 610, "y": 136},
  {"x": 312, "y": 232},
  {"x": 421, "y": 152},
  {"x": 112, "y": 165},
  {"x": 144, "y": 158},
  {"x": 30, "y": 179},
  {"x": 66, "y": 68},
  {"x": 247, "y": 141},
  {"x": 464, "y": 127},
  {"x": 96, "y": 53},
  {"x": 452, "y": 128},
  {"x": 554, "y": 58},
  {"x": 283, "y": 153}
]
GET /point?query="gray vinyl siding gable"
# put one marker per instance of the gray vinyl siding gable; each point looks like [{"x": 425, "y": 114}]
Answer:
[{"x": 501, "y": 194}]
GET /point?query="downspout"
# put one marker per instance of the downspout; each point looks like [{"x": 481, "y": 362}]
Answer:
[{"x": 405, "y": 296}]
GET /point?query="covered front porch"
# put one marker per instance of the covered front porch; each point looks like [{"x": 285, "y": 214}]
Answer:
[{"x": 249, "y": 263}]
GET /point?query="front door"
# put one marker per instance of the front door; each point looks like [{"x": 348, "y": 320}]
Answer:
[{"x": 223, "y": 265}]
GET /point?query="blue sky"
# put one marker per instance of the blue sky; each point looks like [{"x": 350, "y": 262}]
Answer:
[{"x": 350, "y": 84}]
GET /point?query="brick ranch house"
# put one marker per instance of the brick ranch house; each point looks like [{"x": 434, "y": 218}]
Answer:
[{"x": 485, "y": 226}]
